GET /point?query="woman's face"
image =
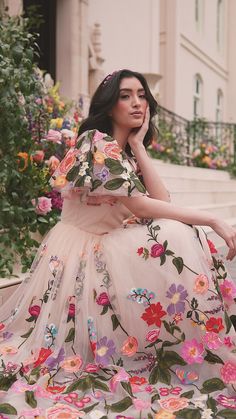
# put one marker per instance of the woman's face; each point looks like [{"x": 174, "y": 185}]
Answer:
[{"x": 129, "y": 110}]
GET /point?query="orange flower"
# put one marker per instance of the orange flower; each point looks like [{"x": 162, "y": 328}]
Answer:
[
  {"x": 201, "y": 284},
  {"x": 8, "y": 350},
  {"x": 60, "y": 181},
  {"x": 68, "y": 162},
  {"x": 113, "y": 151},
  {"x": 55, "y": 389},
  {"x": 173, "y": 404},
  {"x": 130, "y": 346},
  {"x": 23, "y": 161},
  {"x": 72, "y": 364},
  {"x": 99, "y": 157},
  {"x": 137, "y": 380}
]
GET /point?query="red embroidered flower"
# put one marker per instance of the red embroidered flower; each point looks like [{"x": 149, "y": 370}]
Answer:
[
  {"x": 211, "y": 246},
  {"x": 214, "y": 325},
  {"x": 103, "y": 299},
  {"x": 153, "y": 314},
  {"x": 34, "y": 310},
  {"x": 55, "y": 389},
  {"x": 140, "y": 251},
  {"x": 43, "y": 355},
  {"x": 157, "y": 250},
  {"x": 137, "y": 380}
]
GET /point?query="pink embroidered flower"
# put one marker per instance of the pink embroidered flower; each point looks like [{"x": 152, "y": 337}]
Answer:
[
  {"x": 228, "y": 342},
  {"x": 2, "y": 326},
  {"x": 140, "y": 251},
  {"x": 113, "y": 151},
  {"x": 201, "y": 284},
  {"x": 53, "y": 163},
  {"x": 228, "y": 290},
  {"x": 173, "y": 404},
  {"x": 211, "y": 246},
  {"x": 228, "y": 402},
  {"x": 177, "y": 318},
  {"x": 130, "y": 346},
  {"x": 164, "y": 391},
  {"x": 63, "y": 411},
  {"x": 68, "y": 162},
  {"x": 71, "y": 312},
  {"x": 152, "y": 335},
  {"x": 72, "y": 364},
  {"x": 54, "y": 136},
  {"x": 212, "y": 340},
  {"x": 186, "y": 377},
  {"x": 42, "y": 205},
  {"x": 228, "y": 372},
  {"x": 34, "y": 311},
  {"x": 98, "y": 136},
  {"x": 141, "y": 404},
  {"x": 157, "y": 250},
  {"x": 192, "y": 351},
  {"x": 8, "y": 350},
  {"x": 121, "y": 375},
  {"x": 91, "y": 368},
  {"x": 103, "y": 299}
]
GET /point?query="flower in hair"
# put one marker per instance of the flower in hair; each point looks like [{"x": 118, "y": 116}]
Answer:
[{"x": 108, "y": 77}]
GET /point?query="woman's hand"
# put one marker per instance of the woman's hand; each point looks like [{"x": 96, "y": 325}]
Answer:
[
  {"x": 136, "y": 137},
  {"x": 227, "y": 233}
]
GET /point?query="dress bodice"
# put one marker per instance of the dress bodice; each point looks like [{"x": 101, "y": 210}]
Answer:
[{"x": 97, "y": 215}]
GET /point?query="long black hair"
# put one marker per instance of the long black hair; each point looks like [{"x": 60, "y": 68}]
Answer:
[{"x": 106, "y": 96}]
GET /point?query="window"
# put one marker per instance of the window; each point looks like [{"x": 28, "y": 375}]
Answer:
[
  {"x": 197, "y": 97},
  {"x": 219, "y": 106},
  {"x": 196, "y": 11},
  {"x": 199, "y": 14},
  {"x": 219, "y": 24}
]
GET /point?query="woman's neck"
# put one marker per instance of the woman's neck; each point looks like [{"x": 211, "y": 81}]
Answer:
[{"x": 121, "y": 136}]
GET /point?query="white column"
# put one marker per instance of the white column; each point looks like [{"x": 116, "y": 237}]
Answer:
[{"x": 231, "y": 94}]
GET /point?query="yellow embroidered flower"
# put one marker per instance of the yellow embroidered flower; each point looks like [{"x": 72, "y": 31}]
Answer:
[
  {"x": 163, "y": 414},
  {"x": 99, "y": 157},
  {"x": 60, "y": 181}
]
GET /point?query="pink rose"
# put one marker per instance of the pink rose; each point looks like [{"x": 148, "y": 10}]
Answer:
[
  {"x": 157, "y": 250},
  {"x": 228, "y": 373},
  {"x": 141, "y": 404},
  {"x": 42, "y": 205},
  {"x": 152, "y": 335},
  {"x": 38, "y": 156},
  {"x": 103, "y": 299},
  {"x": 71, "y": 310},
  {"x": 98, "y": 136},
  {"x": 54, "y": 136},
  {"x": 34, "y": 310},
  {"x": 91, "y": 368},
  {"x": 53, "y": 162}
]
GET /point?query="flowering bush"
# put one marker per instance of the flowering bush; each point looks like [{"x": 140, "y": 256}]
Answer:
[
  {"x": 35, "y": 131},
  {"x": 210, "y": 156}
]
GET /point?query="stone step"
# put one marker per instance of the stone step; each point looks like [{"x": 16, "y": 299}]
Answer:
[
  {"x": 198, "y": 197},
  {"x": 185, "y": 184},
  {"x": 225, "y": 210}
]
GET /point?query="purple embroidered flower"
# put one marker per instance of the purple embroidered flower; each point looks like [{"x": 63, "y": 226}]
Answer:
[
  {"x": 105, "y": 349},
  {"x": 177, "y": 295},
  {"x": 53, "y": 361},
  {"x": 103, "y": 175}
]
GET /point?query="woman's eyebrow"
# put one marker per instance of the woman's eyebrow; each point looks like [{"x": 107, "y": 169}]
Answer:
[{"x": 130, "y": 90}]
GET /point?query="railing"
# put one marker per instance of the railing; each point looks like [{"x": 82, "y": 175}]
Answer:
[{"x": 194, "y": 143}]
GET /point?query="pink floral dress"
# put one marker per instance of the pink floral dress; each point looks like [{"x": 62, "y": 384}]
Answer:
[{"x": 118, "y": 317}]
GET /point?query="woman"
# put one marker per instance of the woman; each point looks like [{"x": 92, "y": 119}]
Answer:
[{"x": 125, "y": 312}]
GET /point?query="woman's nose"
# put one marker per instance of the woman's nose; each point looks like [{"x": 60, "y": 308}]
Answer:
[{"x": 136, "y": 101}]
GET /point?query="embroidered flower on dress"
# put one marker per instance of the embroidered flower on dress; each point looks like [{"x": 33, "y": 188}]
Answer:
[
  {"x": 228, "y": 402},
  {"x": 192, "y": 351},
  {"x": 152, "y": 335},
  {"x": 201, "y": 284},
  {"x": 173, "y": 404},
  {"x": 212, "y": 340},
  {"x": 214, "y": 324},
  {"x": 153, "y": 314},
  {"x": 186, "y": 377},
  {"x": 228, "y": 372},
  {"x": 141, "y": 296},
  {"x": 228, "y": 290},
  {"x": 177, "y": 294},
  {"x": 105, "y": 349},
  {"x": 72, "y": 364},
  {"x": 130, "y": 346}
]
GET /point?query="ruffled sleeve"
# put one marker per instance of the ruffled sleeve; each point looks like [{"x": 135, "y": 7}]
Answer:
[{"x": 99, "y": 166}]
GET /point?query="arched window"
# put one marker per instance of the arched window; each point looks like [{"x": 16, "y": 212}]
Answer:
[
  {"x": 197, "y": 96},
  {"x": 219, "y": 23}
]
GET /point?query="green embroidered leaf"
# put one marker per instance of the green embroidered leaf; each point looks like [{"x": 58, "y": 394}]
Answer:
[
  {"x": 26, "y": 335},
  {"x": 228, "y": 322},
  {"x": 89, "y": 408},
  {"x": 187, "y": 394},
  {"x": 178, "y": 263},
  {"x": 141, "y": 188},
  {"x": 127, "y": 386},
  {"x": 149, "y": 416},
  {"x": 6, "y": 382},
  {"x": 30, "y": 319},
  {"x": 101, "y": 386},
  {"x": 164, "y": 375},
  {"x": 121, "y": 405},
  {"x": 211, "y": 404},
  {"x": 73, "y": 173},
  {"x": 165, "y": 244},
  {"x": 226, "y": 413},
  {"x": 150, "y": 345},
  {"x": 82, "y": 384},
  {"x": 172, "y": 358},
  {"x": 154, "y": 376},
  {"x": 188, "y": 414},
  {"x": 114, "y": 184},
  {"x": 115, "y": 321},
  {"x": 30, "y": 399},
  {"x": 213, "y": 384},
  {"x": 162, "y": 259},
  {"x": 167, "y": 327},
  {"x": 79, "y": 182},
  {"x": 155, "y": 397},
  {"x": 71, "y": 335},
  {"x": 104, "y": 310},
  {"x": 114, "y": 166},
  {"x": 213, "y": 358},
  {"x": 8, "y": 409},
  {"x": 95, "y": 184},
  {"x": 169, "y": 252}
]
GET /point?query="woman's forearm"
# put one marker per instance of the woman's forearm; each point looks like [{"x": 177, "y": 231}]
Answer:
[{"x": 152, "y": 180}]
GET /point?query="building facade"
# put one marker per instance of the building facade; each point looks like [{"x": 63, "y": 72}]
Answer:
[{"x": 185, "y": 48}]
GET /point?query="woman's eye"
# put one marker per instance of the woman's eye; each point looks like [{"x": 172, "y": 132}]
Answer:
[
  {"x": 142, "y": 96},
  {"x": 124, "y": 97}
]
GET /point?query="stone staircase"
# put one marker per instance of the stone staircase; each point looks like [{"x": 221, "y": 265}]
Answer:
[
  {"x": 198, "y": 188},
  {"x": 205, "y": 189}
]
